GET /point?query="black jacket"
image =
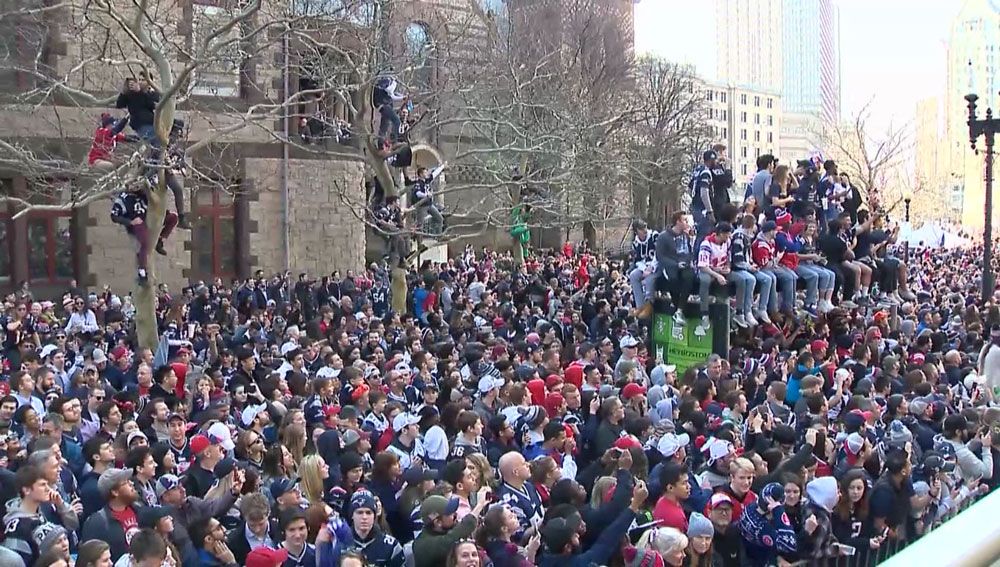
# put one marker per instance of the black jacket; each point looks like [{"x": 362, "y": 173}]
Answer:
[
  {"x": 105, "y": 527},
  {"x": 239, "y": 545},
  {"x": 674, "y": 252},
  {"x": 140, "y": 105}
]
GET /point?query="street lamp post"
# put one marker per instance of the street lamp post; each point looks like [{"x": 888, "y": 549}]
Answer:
[
  {"x": 987, "y": 128},
  {"x": 906, "y": 219}
]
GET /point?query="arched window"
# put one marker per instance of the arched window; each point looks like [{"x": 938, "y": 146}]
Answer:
[{"x": 419, "y": 48}]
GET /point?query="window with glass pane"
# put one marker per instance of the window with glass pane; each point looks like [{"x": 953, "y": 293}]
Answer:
[
  {"x": 213, "y": 238},
  {"x": 220, "y": 75},
  {"x": 38, "y": 243}
]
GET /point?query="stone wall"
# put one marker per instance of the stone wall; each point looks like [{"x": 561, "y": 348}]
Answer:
[
  {"x": 110, "y": 254},
  {"x": 327, "y": 232}
]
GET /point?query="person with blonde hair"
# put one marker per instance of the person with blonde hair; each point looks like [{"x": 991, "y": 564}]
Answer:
[{"x": 312, "y": 473}]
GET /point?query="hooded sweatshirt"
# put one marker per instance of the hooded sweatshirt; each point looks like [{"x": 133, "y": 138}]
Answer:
[
  {"x": 739, "y": 249},
  {"x": 822, "y": 493},
  {"x": 764, "y": 252}
]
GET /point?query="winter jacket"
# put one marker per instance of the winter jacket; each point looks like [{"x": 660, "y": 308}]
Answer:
[
  {"x": 969, "y": 465},
  {"x": 763, "y": 252},
  {"x": 431, "y": 548},
  {"x": 789, "y": 248},
  {"x": 766, "y": 538},
  {"x": 105, "y": 527},
  {"x": 141, "y": 105},
  {"x": 674, "y": 251},
  {"x": 739, "y": 250},
  {"x": 602, "y": 550},
  {"x": 713, "y": 254}
]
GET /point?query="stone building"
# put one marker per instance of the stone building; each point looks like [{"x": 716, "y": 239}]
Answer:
[{"x": 269, "y": 206}]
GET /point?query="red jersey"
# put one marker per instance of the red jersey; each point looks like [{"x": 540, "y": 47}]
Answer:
[{"x": 103, "y": 144}]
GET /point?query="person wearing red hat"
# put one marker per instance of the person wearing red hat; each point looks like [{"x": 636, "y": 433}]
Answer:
[
  {"x": 555, "y": 405},
  {"x": 266, "y": 557},
  {"x": 634, "y": 396}
]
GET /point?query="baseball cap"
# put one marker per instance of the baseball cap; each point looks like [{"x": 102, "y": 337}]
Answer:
[
  {"x": 670, "y": 443},
  {"x": 201, "y": 442},
  {"x": 718, "y": 499},
  {"x": 414, "y": 475},
  {"x": 174, "y": 416},
  {"x": 435, "y": 506},
  {"x": 110, "y": 479},
  {"x": 223, "y": 434},
  {"x": 266, "y": 557},
  {"x": 250, "y": 413},
  {"x": 166, "y": 483},
  {"x": 404, "y": 420},
  {"x": 135, "y": 435},
  {"x": 818, "y": 345},
  {"x": 627, "y": 442},
  {"x": 98, "y": 356},
  {"x": 628, "y": 341},
  {"x": 281, "y": 486},
  {"x": 557, "y": 532},
  {"x": 768, "y": 226},
  {"x": 709, "y": 155},
  {"x": 351, "y": 436},
  {"x": 149, "y": 516},
  {"x": 489, "y": 382},
  {"x": 631, "y": 390}
]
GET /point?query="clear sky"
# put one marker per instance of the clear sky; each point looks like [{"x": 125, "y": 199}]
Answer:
[{"x": 892, "y": 52}]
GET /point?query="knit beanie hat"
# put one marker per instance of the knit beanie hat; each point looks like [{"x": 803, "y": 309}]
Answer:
[
  {"x": 635, "y": 557},
  {"x": 699, "y": 525}
]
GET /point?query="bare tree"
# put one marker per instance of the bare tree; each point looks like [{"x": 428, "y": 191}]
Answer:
[
  {"x": 875, "y": 161},
  {"x": 665, "y": 141}
]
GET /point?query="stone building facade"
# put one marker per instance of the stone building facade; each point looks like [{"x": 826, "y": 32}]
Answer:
[{"x": 267, "y": 209}]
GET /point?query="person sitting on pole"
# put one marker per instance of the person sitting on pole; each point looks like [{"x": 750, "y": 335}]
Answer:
[
  {"x": 643, "y": 275},
  {"x": 674, "y": 256},
  {"x": 740, "y": 255},
  {"x": 714, "y": 266}
]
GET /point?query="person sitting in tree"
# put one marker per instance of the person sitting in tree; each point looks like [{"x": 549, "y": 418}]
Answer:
[{"x": 129, "y": 209}]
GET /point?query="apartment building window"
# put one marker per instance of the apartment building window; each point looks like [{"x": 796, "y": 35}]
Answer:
[
  {"x": 220, "y": 75},
  {"x": 770, "y": 121},
  {"x": 722, "y": 96},
  {"x": 743, "y": 117},
  {"x": 756, "y": 118},
  {"x": 756, "y": 152},
  {"x": 744, "y": 169},
  {"x": 725, "y": 132},
  {"x": 756, "y": 136},
  {"x": 725, "y": 114},
  {"x": 743, "y": 99},
  {"x": 743, "y": 151},
  {"x": 770, "y": 138},
  {"x": 756, "y": 101},
  {"x": 710, "y": 95},
  {"x": 770, "y": 102},
  {"x": 743, "y": 134}
]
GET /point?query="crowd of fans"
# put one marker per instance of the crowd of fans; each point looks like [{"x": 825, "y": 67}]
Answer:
[{"x": 505, "y": 414}]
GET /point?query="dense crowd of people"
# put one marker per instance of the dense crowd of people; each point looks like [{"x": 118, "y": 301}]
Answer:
[{"x": 513, "y": 414}]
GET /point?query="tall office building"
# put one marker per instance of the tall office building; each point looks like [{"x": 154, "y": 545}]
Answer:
[
  {"x": 973, "y": 52},
  {"x": 749, "y": 36},
  {"x": 811, "y": 66},
  {"x": 810, "y": 75}
]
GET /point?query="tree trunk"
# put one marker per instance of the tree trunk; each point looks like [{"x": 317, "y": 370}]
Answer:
[
  {"x": 147, "y": 331},
  {"x": 398, "y": 287},
  {"x": 590, "y": 234}
]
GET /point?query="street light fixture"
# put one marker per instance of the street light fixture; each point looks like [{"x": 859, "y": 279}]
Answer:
[{"x": 987, "y": 128}]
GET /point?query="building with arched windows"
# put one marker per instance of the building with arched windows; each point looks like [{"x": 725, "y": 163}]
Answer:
[{"x": 255, "y": 203}]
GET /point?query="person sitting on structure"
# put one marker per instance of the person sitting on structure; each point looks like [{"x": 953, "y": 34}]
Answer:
[
  {"x": 129, "y": 209},
  {"x": 422, "y": 197},
  {"x": 384, "y": 99},
  {"x": 106, "y": 137}
]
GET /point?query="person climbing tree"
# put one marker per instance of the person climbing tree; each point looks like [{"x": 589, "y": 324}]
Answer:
[{"x": 129, "y": 210}]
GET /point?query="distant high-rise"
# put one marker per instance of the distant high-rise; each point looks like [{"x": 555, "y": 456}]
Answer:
[
  {"x": 749, "y": 36},
  {"x": 811, "y": 59},
  {"x": 973, "y": 58}
]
